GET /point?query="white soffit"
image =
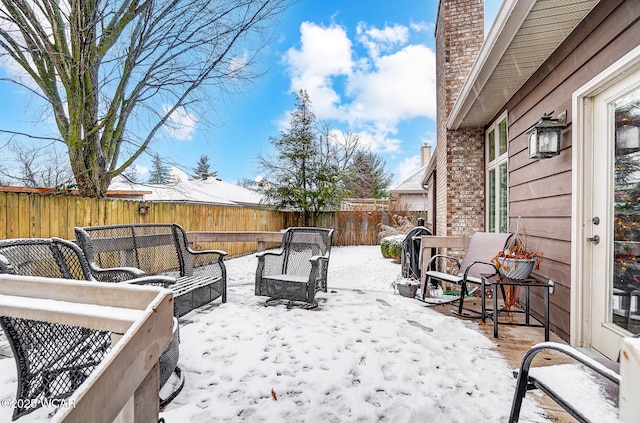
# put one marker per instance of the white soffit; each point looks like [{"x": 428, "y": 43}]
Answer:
[{"x": 523, "y": 36}]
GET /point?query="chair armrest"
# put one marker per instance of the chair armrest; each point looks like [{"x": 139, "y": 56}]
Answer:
[
  {"x": 158, "y": 280},
  {"x": 466, "y": 271},
  {"x": 277, "y": 252},
  {"x": 580, "y": 357},
  {"x": 221, "y": 254},
  {"x": 318, "y": 258},
  {"x": 442, "y": 256},
  {"x": 114, "y": 274}
]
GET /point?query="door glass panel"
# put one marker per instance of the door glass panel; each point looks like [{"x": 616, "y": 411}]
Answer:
[{"x": 626, "y": 207}]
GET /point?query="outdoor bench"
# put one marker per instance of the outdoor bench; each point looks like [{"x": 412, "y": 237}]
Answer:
[{"x": 158, "y": 249}]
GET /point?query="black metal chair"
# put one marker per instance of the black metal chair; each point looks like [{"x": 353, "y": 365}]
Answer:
[
  {"x": 483, "y": 246},
  {"x": 54, "y": 359},
  {"x": 298, "y": 269},
  {"x": 605, "y": 370}
]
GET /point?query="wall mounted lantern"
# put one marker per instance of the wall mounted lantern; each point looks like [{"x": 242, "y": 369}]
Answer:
[
  {"x": 627, "y": 138},
  {"x": 545, "y": 136}
]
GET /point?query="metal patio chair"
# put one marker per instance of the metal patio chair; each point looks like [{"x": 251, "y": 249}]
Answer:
[
  {"x": 606, "y": 374},
  {"x": 298, "y": 269},
  {"x": 482, "y": 247}
]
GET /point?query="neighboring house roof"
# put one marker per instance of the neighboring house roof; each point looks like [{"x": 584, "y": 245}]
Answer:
[
  {"x": 523, "y": 36},
  {"x": 75, "y": 192},
  {"x": 181, "y": 189},
  {"x": 411, "y": 185}
]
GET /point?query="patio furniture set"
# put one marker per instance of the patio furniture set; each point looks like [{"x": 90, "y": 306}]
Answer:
[
  {"x": 53, "y": 359},
  {"x": 476, "y": 268}
]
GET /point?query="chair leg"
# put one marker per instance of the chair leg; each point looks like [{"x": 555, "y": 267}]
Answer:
[
  {"x": 463, "y": 293},
  {"x": 518, "y": 396}
]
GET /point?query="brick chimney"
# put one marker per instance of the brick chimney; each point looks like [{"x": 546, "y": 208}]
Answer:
[
  {"x": 425, "y": 154},
  {"x": 459, "y": 191}
]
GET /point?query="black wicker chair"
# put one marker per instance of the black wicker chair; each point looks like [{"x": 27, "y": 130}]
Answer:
[
  {"x": 157, "y": 249},
  {"x": 54, "y": 359},
  {"x": 298, "y": 269}
]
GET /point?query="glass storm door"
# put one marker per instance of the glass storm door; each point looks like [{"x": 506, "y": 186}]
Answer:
[{"x": 615, "y": 245}]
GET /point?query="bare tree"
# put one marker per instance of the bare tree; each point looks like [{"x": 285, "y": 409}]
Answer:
[
  {"x": 338, "y": 146},
  {"x": 115, "y": 72},
  {"x": 38, "y": 168}
]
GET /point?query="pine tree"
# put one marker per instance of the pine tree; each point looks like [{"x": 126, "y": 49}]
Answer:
[
  {"x": 159, "y": 173},
  {"x": 201, "y": 171},
  {"x": 301, "y": 176}
]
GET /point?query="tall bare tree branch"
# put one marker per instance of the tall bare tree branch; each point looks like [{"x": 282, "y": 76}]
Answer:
[{"x": 103, "y": 65}]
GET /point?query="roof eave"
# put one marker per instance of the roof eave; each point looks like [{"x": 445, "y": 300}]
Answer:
[
  {"x": 512, "y": 53},
  {"x": 510, "y": 17}
]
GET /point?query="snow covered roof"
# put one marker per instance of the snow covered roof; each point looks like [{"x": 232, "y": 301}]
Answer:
[
  {"x": 211, "y": 190},
  {"x": 411, "y": 185}
]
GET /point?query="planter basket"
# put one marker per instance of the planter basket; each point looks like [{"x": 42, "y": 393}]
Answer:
[
  {"x": 517, "y": 268},
  {"x": 408, "y": 289}
]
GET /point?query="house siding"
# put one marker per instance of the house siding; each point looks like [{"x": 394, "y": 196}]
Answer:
[{"x": 540, "y": 190}]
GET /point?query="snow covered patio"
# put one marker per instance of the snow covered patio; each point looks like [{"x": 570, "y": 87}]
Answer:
[{"x": 366, "y": 354}]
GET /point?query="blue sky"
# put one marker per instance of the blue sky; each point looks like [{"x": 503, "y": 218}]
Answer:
[{"x": 368, "y": 66}]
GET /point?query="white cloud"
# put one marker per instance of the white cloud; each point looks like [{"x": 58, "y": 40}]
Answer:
[
  {"x": 401, "y": 86},
  {"x": 324, "y": 53},
  {"x": 381, "y": 40},
  {"x": 390, "y": 83},
  {"x": 406, "y": 168},
  {"x": 423, "y": 27},
  {"x": 180, "y": 125}
]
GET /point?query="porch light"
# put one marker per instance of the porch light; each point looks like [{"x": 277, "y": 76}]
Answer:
[
  {"x": 545, "y": 136},
  {"x": 627, "y": 138}
]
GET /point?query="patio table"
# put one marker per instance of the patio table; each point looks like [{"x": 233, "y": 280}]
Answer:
[{"x": 530, "y": 319}]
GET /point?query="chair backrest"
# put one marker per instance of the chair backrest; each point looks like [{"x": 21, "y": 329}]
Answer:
[
  {"x": 152, "y": 248},
  {"x": 483, "y": 246},
  {"x": 45, "y": 257},
  {"x": 300, "y": 244}
]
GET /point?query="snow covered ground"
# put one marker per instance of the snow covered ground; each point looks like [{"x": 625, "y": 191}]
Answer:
[{"x": 365, "y": 354}]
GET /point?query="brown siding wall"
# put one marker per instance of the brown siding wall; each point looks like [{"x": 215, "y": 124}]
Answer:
[{"x": 540, "y": 190}]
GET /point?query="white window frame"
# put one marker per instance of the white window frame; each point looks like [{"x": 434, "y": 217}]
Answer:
[{"x": 494, "y": 164}]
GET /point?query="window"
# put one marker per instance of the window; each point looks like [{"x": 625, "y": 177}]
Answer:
[{"x": 497, "y": 157}]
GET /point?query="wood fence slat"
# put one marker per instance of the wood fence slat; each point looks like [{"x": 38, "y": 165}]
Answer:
[
  {"x": 3, "y": 215},
  {"x": 28, "y": 215}
]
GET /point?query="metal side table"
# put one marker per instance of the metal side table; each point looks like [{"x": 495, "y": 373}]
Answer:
[{"x": 527, "y": 284}]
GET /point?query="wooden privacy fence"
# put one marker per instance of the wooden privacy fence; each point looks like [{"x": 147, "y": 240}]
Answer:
[{"x": 31, "y": 215}]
